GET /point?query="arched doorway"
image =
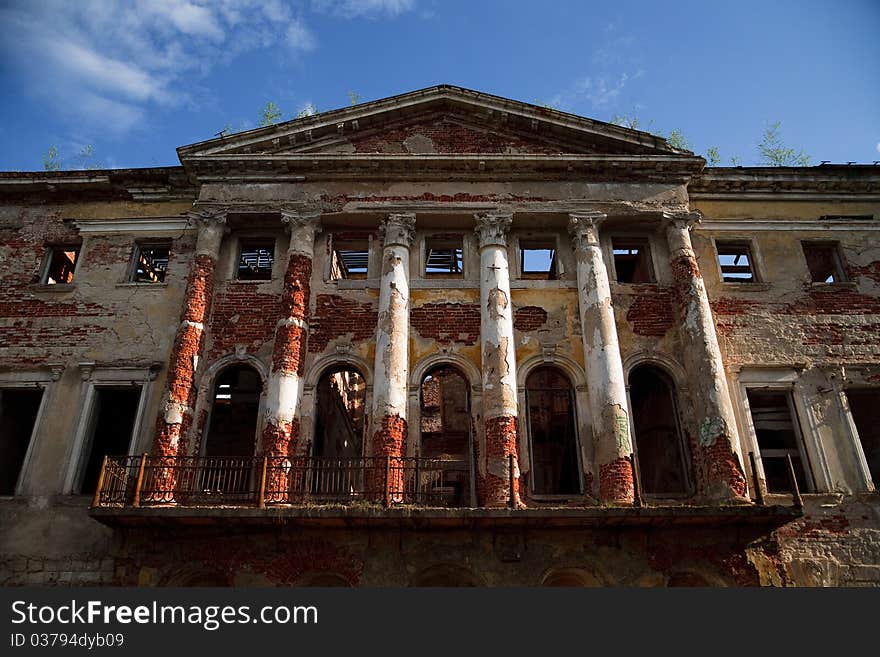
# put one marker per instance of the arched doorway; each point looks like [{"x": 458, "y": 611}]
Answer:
[
  {"x": 552, "y": 433},
  {"x": 235, "y": 406},
  {"x": 571, "y": 577},
  {"x": 336, "y": 467},
  {"x": 447, "y": 576},
  {"x": 445, "y": 472},
  {"x": 659, "y": 444},
  {"x": 230, "y": 439}
]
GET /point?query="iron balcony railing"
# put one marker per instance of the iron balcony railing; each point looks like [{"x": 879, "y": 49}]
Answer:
[{"x": 269, "y": 481}]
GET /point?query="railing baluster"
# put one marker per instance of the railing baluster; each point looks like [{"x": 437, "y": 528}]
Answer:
[
  {"x": 96, "y": 501},
  {"x": 140, "y": 480}
]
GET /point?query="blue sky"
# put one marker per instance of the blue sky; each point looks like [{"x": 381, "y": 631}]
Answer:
[{"x": 137, "y": 78}]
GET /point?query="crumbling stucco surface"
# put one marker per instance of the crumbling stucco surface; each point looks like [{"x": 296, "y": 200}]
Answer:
[{"x": 713, "y": 339}]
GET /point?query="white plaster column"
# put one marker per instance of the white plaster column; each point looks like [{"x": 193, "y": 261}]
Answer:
[
  {"x": 604, "y": 367},
  {"x": 723, "y": 474},
  {"x": 391, "y": 370},
  {"x": 499, "y": 365}
]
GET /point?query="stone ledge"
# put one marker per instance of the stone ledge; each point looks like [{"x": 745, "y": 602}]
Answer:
[{"x": 421, "y": 517}]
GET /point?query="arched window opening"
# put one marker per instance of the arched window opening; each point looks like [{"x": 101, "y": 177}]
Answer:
[
  {"x": 687, "y": 580},
  {"x": 234, "y": 410},
  {"x": 659, "y": 445},
  {"x": 339, "y": 417},
  {"x": 447, "y": 576},
  {"x": 445, "y": 472},
  {"x": 230, "y": 441},
  {"x": 336, "y": 470},
  {"x": 552, "y": 431},
  {"x": 571, "y": 577}
]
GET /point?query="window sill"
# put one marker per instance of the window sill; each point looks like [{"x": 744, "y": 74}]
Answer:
[
  {"x": 842, "y": 285},
  {"x": 57, "y": 288},
  {"x": 131, "y": 284},
  {"x": 745, "y": 286},
  {"x": 256, "y": 281}
]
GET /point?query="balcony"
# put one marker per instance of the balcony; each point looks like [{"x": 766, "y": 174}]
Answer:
[
  {"x": 346, "y": 492},
  {"x": 261, "y": 482}
]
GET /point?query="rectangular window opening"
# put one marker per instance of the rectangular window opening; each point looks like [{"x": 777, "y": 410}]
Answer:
[
  {"x": 350, "y": 259},
  {"x": 824, "y": 262},
  {"x": 735, "y": 259},
  {"x": 443, "y": 258},
  {"x": 632, "y": 260},
  {"x": 864, "y": 404},
  {"x": 150, "y": 263},
  {"x": 255, "y": 260},
  {"x": 538, "y": 260},
  {"x": 61, "y": 265},
  {"x": 18, "y": 413},
  {"x": 113, "y": 417},
  {"x": 774, "y": 420}
]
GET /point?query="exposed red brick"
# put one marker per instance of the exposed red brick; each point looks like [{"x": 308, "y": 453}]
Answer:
[
  {"x": 529, "y": 318},
  {"x": 651, "y": 312},
  {"x": 447, "y": 322},
  {"x": 242, "y": 315},
  {"x": 723, "y": 467},
  {"x": 388, "y": 441},
  {"x": 449, "y": 136},
  {"x": 278, "y": 441},
  {"x": 336, "y": 316},
  {"x": 501, "y": 443},
  {"x": 296, "y": 292},
  {"x": 616, "y": 481}
]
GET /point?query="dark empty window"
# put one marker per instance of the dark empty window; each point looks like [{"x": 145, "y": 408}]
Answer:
[
  {"x": 632, "y": 260},
  {"x": 778, "y": 436},
  {"x": 735, "y": 259},
  {"x": 113, "y": 416},
  {"x": 538, "y": 260},
  {"x": 18, "y": 412},
  {"x": 350, "y": 259},
  {"x": 150, "y": 263},
  {"x": 61, "y": 265},
  {"x": 659, "y": 444},
  {"x": 864, "y": 404},
  {"x": 255, "y": 260},
  {"x": 824, "y": 262},
  {"x": 445, "y": 439},
  {"x": 443, "y": 257},
  {"x": 554, "y": 445}
]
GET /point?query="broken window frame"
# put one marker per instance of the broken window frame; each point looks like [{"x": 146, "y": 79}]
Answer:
[
  {"x": 525, "y": 244},
  {"x": 837, "y": 261},
  {"x": 49, "y": 258},
  {"x": 869, "y": 477},
  {"x": 627, "y": 242},
  {"x": 244, "y": 243},
  {"x": 42, "y": 381},
  {"x": 135, "y": 261},
  {"x": 440, "y": 245},
  {"x": 93, "y": 379},
  {"x": 573, "y": 413},
  {"x": 684, "y": 447},
  {"x": 802, "y": 452},
  {"x": 362, "y": 247},
  {"x": 747, "y": 249}
]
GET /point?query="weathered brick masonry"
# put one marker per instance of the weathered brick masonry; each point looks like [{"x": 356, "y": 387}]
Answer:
[{"x": 345, "y": 365}]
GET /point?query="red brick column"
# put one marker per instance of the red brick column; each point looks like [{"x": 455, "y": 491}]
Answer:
[
  {"x": 178, "y": 402},
  {"x": 391, "y": 369},
  {"x": 723, "y": 475},
  {"x": 288, "y": 354},
  {"x": 499, "y": 367}
]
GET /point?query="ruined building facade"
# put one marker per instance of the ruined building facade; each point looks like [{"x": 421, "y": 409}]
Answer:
[{"x": 441, "y": 338}]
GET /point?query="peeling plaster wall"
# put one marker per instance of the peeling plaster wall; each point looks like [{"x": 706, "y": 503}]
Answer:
[{"x": 783, "y": 322}]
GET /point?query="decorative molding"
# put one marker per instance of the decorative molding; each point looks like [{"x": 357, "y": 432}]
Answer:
[
  {"x": 133, "y": 225},
  {"x": 681, "y": 220},
  {"x": 86, "y": 369},
  {"x": 492, "y": 228},
  {"x": 398, "y": 229},
  {"x": 209, "y": 216},
  {"x": 295, "y": 219},
  {"x": 583, "y": 227}
]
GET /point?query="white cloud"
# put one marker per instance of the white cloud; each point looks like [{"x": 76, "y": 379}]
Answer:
[
  {"x": 878, "y": 146},
  {"x": 370, "y": 8},
  {"x": 106, "y": 62}
]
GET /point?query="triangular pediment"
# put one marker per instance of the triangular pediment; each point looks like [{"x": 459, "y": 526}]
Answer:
[{"x": 440, "y": 120}]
